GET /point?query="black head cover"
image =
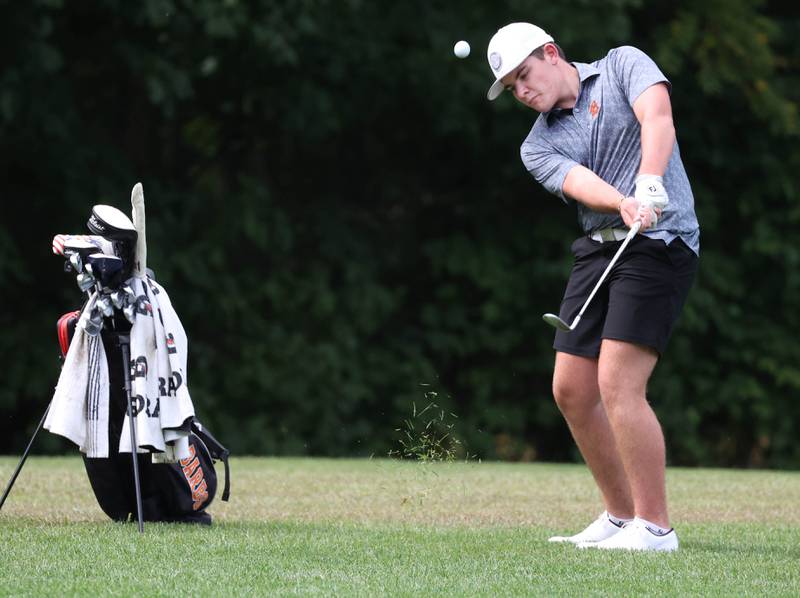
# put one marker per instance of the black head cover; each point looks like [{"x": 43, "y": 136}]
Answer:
[
  {"x": 107, "y": 269},
  {"x": 112, "y": 224}
]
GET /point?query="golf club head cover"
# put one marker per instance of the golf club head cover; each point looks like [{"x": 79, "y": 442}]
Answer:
[
  {"x": 113, "y": 225},
  {"x": 138, "y": 218},
  {"x": 66, "y": 330},
  {"x": 107, "y": 269},
  {"x": 65, "y": 244}
]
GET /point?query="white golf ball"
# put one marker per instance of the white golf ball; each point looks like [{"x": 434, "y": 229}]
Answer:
[{"x": 461, "y": 49}]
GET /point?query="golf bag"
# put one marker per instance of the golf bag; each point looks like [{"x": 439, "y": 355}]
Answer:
[{"x": 171, "y": 492}]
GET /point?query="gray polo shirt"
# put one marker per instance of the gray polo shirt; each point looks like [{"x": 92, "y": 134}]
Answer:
[{"x": 601, "y": 132}]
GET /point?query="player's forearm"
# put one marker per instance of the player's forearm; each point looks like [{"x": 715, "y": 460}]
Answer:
[
  {"x": 586, "y": 187},
  {"x": 658, "y": 139}
]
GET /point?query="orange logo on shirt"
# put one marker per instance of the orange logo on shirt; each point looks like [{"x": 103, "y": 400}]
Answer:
[{"x": 594, "y": 109}]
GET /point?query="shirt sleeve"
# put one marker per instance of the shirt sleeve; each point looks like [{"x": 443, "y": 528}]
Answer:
[
  {"x": 635, "y": 71},
  {"x": 547, "y": 165}
]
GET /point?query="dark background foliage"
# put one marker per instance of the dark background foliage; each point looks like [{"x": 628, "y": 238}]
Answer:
[{"x": 344, "y": 226}]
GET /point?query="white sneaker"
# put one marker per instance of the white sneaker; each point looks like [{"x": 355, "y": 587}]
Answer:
[
  {"x": 600, "y": 529},
  {"x": 636, "y": 535}
]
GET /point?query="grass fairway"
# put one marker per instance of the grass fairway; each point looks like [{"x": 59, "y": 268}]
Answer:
[{"x": 380, "y": 527}]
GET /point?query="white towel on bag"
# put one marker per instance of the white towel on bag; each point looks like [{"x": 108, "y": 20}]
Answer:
[
  {"x": 79, "y": 409},
  {"x": 163, "y": 408}
]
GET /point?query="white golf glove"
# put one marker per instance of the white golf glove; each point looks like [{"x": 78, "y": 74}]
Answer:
[{"x": 651, "y": 195}]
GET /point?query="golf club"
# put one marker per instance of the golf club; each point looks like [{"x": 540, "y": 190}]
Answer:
[{"x": 560, "y": 324}]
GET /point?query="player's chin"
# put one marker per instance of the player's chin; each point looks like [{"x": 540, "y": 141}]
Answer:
[{"x": 539, "y": 104}]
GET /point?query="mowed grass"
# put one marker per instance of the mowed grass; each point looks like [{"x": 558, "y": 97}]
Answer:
[{"x": 382, "y": 527}]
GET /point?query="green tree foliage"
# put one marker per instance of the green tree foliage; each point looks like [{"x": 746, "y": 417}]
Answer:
[
  {"x": 340, "y": 217},
  {"x": 739, "y": 133}
]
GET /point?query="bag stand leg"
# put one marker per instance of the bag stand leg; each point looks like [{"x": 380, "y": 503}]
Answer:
[
  {"x": 24, "y": 457},
  {"x": 125, "y": 345}
]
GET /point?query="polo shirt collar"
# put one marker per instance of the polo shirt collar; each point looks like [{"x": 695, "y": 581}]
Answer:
[{"x": 585, "y": 71}]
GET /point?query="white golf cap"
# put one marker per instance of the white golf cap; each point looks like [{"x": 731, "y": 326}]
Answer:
[{"x": 509, "y": 47}]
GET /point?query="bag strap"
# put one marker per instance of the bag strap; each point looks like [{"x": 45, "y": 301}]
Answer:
[{"x": 217, "y": 451}]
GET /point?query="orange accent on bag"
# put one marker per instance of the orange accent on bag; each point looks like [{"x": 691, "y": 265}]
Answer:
[{"x": 195, "y": 477}]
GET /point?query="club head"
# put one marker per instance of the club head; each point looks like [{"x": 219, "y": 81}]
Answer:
[
  {"x": 117, "y": 299},
  {"x": 85, "y": 281},
  {"x": 129, "y": 311},
  {"x": 104, "y": 306},
  {"x": 123, "y": 297},
  {"x": 94, "y": 323},
  {"x": 74, "y": 263},
  {"x": 556, "y": 322}
]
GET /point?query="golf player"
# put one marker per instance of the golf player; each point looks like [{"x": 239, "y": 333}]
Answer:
[{"x": 604, "y": 141}]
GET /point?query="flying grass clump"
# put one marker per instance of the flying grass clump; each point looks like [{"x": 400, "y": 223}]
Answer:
[{"x": 428, "y": 435}]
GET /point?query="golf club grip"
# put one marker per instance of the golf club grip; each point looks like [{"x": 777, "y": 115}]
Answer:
[
  {"x": 138, "y": 217},
  {"x": 631, "y": 234}
]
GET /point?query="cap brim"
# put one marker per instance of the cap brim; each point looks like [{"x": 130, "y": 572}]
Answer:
[
  {"x": 516, "y": 56},
  {"x": 495, "y": 90}
]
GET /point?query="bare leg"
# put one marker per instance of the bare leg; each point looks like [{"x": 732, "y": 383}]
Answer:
[
  {"x": 577, "y": 395},
  {"x": 623, "y": 372}
]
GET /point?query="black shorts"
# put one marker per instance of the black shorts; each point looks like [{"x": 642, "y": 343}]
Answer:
[{"x": 640, "y": 300}]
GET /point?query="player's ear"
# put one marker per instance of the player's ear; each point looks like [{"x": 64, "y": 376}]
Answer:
[{"x": 550, "y": 52}]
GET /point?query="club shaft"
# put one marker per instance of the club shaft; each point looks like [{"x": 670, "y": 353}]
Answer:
[{"x": 631, "y": 233}]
